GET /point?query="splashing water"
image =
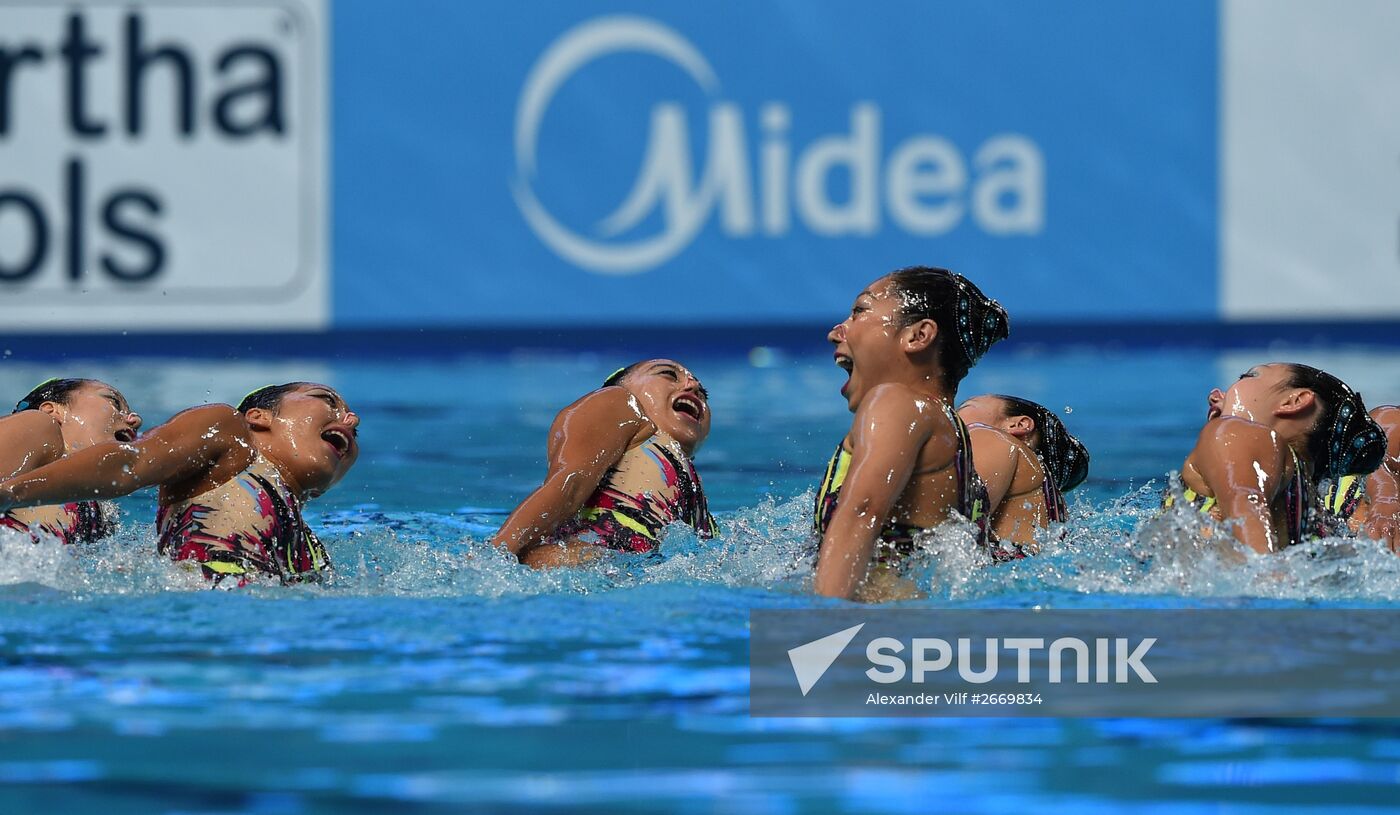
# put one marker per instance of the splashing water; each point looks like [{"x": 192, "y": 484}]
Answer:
[
  {"x": 1130, "y": 549},
  {"x": 432, "y": 672}
]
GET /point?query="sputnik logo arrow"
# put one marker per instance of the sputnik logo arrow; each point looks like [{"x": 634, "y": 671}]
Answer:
[{"x": 811, "y": 661}]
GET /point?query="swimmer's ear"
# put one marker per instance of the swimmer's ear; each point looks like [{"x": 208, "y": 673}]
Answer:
[
  {"x": 259, "y": 418},
  {"x": 55, "y": 410},
  {"x": 920, "y": 335},
  {"x": 1297, "y": 402}
]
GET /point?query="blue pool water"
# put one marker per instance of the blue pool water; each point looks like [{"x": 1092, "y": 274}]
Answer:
[{"x": 434, "y": 675}]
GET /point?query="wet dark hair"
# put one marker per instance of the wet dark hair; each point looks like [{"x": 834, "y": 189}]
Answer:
[
  {"x": 621, "y": 373},
  {"x": 969, "y": 321},
  {"x": 54, "y": 390},
  {"x": 1066, "y": 458},
  {"x": 268, "y": 397},
  {"x": 1345, "y": 440}
]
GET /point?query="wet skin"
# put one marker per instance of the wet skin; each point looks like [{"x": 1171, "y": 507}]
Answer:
[
  {"x": 90, "y": 414},
  {"x": 94, "y": 412},
  {"x": 591, "y": 436},
  {"x": 1379, "y": 516},
  {"x": 1004, "y": 455},
  {"x": 902, "y": 440},
  {"x": 1242, "y": 456},
  {"x": 311, "y": 438}
]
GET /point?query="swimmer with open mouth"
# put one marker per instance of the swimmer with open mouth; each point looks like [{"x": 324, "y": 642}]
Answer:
[
  {"x": 620, "y": 470},
  {"x": 232, "y": 480},
  {"x": 906, "y": 463},
  {"x": 58, "y": 418}
]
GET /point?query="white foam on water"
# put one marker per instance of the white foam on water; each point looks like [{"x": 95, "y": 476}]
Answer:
[{"x": 1129, "y": 548}]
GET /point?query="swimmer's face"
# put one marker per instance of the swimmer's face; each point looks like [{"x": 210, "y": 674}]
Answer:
[
  {"x": 314, "y": 436},
  {"x": 673, "y": 399},
  {"x": 865, "y": 339},
  {"x": 1254, "y": 396},
  {"x": 96, "y": 412}
]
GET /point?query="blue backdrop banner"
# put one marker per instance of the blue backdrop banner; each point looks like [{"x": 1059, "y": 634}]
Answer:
[{"x": 737, "y": 163}]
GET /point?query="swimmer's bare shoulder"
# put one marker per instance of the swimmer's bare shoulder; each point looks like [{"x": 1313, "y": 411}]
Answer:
[
  {"x": 996, "y": 456},
  {"x": 28, "y": 440},
  {"x": 1383, "y": 486},
  {"x": 195, "y": 451},
  {"x": 611, "y": 411},
  {"x": 1242, "y": 465},
  {"x": 587, "y": 437},
  {"x": 896, "y": 411},
  {"x": 1226, "y": 441},
  {"x": 895, "y": 431}
]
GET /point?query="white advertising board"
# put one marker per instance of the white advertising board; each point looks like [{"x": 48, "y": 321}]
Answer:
[
  {"x": 1310, "y": 159},
  {"x": 162, "y": 165}
]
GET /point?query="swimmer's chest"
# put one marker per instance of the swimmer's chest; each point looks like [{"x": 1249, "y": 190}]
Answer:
[
  {"x": 652, "y": 468},
  {"x": 933, "y": 488}
]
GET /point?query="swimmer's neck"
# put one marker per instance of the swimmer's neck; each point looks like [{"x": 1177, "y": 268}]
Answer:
[
  {"x": 1293, "y": 433},
  {"x": 687, "y": 449},
  {"x": 929, "y": 384},
  {"x": 264, "y": 450}
]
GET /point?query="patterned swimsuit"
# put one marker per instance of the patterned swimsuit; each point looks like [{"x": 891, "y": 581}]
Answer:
[
  {"x": 1339, "y": 504},
  {"x": 78, "y": 522},
  {"x": 896, "y": 538},
  {"x": 654, "y": 484},
  {"x": 248, "y": 525},
  {"x": 1055, "y": 508}
]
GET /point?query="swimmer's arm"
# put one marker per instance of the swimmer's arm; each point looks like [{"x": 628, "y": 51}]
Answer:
[
  {"x": 1383, "y": 485},
  {"x": 586, "y": 439},
  {"x": 994, "y": 457},
  {"x": 888, "y": 431},
  {"x": 180, "y": 449},
  {"x": 28, "y": 440},
  {"x": 1241, "y": 463}
]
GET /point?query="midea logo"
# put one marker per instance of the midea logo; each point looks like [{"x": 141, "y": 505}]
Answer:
[{"x": 927, "y": 187}]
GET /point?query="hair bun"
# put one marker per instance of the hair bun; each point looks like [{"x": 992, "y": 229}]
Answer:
[
  {"x": 982, "y": 321},
  {"x": 1355, "y": 443},
  {"x": 1065, "y": 457}
]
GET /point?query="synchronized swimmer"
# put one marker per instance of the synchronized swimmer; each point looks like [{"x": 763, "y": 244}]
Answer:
[
  {"x": 232, "y": 480},
  {"x": 1288, "y": 453},
  {"x": 58, "y": 418},
  {"x": 1270, "y": 441},
  {"x": 620, "y": 470},
  {"x": 906, "y": 464},
  {"x": 1026, "y": 450}
]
